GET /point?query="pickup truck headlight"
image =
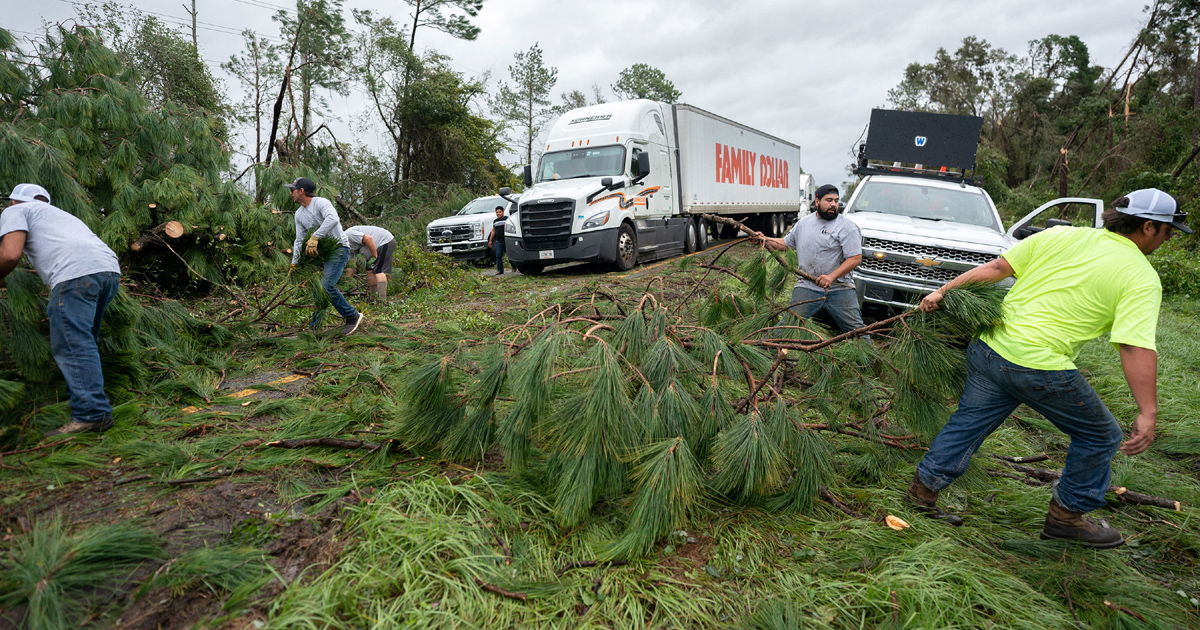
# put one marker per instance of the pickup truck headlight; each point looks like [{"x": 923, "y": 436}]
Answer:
[
  {"x": 477, "y": 230},
  {"x": 510, "y": 226},
  {"x": 596, "y": 220}
]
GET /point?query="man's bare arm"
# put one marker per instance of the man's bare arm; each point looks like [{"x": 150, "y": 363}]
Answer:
[
  {"x": 1141, "y": 372},
  {"x": 11, "y": 248},
  {"x": 994, "y": 271},
  {"x": 846, "y": 267},
  {"x": 370, "y": 243}
]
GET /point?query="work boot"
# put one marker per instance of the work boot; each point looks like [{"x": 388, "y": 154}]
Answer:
[
  {"x": 76, "y": 426},
  {"x": 924, "y": 501},
  {"x": 352, "y": 323},
  {"x": 1063, "y": 524}
]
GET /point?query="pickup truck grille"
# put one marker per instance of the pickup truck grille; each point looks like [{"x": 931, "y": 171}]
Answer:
[
  {"x": 926, "y": 251},
  {"x": 458, "y": 233},
  {"x": 547, "y": 225},
  {"x": 908, "y": 270}
]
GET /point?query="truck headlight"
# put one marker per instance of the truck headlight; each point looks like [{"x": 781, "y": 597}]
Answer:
[
  {"x": 510, "y": 226},
  {"x": 477, "y": 230},
  {"x": 596, "y": 220}
]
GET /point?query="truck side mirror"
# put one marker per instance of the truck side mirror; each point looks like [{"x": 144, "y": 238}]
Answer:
[
  {"x": 643, "y": 164},
  {"x": 528, "y": 176},
  {"x": 505, "y": 191},
  {"x": 841, "y": 207},
  {"x": 606, "y": 182}
]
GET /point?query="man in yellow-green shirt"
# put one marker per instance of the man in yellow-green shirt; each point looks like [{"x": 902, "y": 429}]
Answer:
[{"x": 1072, "y": 285}]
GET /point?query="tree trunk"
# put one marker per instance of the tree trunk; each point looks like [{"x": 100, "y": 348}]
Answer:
[{"x": 173, "y": 229}]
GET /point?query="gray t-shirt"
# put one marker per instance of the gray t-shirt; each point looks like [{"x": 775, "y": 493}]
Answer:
[
  {"x": 320, "y": 215},
  {"x": 355, "y": 235},
  {"x": 59, "y": 245},
  {"x": 822, "y": 246}
]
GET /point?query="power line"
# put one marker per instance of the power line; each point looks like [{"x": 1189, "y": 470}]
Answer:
[
  {"x": 265, "y": 5},
  {"x": 179, "y": 21}
]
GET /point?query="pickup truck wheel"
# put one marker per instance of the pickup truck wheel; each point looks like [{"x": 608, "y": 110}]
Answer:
[
  {"x": 530, "y": 270},
  {"x": 626, "y": 248},
  {"x": 690, "y": 240}
]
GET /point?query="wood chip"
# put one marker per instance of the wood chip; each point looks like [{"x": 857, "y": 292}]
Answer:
[{"x": 895, "y": 523}]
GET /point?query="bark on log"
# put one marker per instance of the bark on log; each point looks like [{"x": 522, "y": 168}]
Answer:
[
  {"x": 330, "y": 442},
  {"x": 1124, "y": 494},
  {"x": 173, "y": 229}
]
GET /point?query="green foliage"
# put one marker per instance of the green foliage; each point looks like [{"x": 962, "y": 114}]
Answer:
[
  {"x": 223, "y": 570},
  {"x": 644, "y": 81},
  {"x": 54, "y": 573}
]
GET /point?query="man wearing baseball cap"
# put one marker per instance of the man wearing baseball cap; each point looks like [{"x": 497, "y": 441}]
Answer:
[
  {"x": 317, "y": 213},
  {"x": 1072, "y": 285},
  {"x": 828, "y": 246},
  {"x": 83, "y": 274}
]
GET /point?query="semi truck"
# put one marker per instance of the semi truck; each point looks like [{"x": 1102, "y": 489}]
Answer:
[{"x": 625, "y": 182}]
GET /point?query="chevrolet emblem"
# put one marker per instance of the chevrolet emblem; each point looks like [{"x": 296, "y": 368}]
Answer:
[{"x": 928, "y": 262}]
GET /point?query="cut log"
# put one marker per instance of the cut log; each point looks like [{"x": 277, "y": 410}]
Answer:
[{"x": 172, "y": 229}]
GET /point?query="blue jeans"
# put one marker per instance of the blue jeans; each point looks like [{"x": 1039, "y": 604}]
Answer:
[
  {"x": 330, "y": 275},
  {"x": 841, "y": 303},
  {"x": 498, "y": 252},
  {"x": 75, "y": 310},
  {"x": 995, "y": 386}
]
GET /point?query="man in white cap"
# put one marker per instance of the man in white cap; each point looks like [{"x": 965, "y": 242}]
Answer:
[
  {"x": 1072, "y": 285},
  {"x": 83, "y": 274},
  {"x": 317, "y": 214}
]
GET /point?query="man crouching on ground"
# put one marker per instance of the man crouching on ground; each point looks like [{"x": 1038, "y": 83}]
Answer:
[
  {"x": 317, "y": 213},
  {"x": 1072, "y": 285}
]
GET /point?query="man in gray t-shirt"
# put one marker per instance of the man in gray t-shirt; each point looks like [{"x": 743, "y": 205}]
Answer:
[
  {"x": 317, "y": 214},
  {"x": 83, "y": 276},
  {"x": 369, "y": 241},
  {"x": 828, "y": 246}
]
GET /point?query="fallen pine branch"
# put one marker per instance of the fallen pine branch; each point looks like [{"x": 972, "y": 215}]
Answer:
[
  {"x": 499, "y": 591},
  {"x": 1023, "y": 460},
  {"x": 121, "y": 482},
  {"x": 1123, "y": 609},
  {"x": 325, "y": 441},
  {"x": 582, "y": 564},
  {"x": 1124, "y": 494},
  {"x": 832, "y": 500}
]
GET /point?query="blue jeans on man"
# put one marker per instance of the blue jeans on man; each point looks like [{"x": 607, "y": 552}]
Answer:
[
  {"x": 75, "y": 310},
  {"x": 335, "y": 266},
  {"x": 840, "y": 302},
  {"x": 498, "y": 253},
  {"x": 995, "y": 387}
]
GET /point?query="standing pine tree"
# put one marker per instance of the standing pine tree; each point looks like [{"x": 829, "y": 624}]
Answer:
[{"x": 527, "y": 103}]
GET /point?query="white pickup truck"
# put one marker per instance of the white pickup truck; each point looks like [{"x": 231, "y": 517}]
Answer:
[
  {"x": 923, "y": 225},
  {"x": 464, "y": 234},
  {"x": 625, "y": 182}
]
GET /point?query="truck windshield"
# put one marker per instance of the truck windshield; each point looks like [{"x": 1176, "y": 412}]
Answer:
[
  {"x": 925, "y": 202},
  {"x": 576, "y": 163},
  {"x": 483, "y": 205}
]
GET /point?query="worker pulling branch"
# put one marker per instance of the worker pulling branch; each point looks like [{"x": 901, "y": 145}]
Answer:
[
  {"x": 319, "y": 215},
  {"x": 1072, "y": 285}
]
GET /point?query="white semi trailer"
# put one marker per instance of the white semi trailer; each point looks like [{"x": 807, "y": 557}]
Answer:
[{"x": 625, "y": 182}]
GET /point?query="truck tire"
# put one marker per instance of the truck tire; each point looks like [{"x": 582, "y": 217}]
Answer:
[
  {"x": 530, "y": 270},
  {"x": 701, "y": 234},
  {"x": 691, "y": 241},
  {"x": 728, "y": 231},
  {"x": 626, "y": 255}
]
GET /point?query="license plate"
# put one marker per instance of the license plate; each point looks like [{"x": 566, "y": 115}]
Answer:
[
  {"x": 447, "y": 250},
  {"x": 546, "y": 254}
]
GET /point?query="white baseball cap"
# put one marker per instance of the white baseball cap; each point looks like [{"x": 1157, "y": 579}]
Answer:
[
  {"x": 27, "y": 192},
  {"x": 1156, "y": 205}
]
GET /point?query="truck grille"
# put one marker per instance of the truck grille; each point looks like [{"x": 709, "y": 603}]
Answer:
[
  {"x": 908, "y": 270},
  {"x": 547, "y": 225},
  {"x": 457, "y": 233},
  {"x": 927, "y": 251}
]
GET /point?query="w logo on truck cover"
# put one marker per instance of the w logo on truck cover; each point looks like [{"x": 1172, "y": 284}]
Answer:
[
  {"x": 640, "y": 199},
  {"x": 920, "y": 141}
]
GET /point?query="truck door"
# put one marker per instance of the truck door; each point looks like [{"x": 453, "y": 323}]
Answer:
[{"x": 1073, "y": 211}]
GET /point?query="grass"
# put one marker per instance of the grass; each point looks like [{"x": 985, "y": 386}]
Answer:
[{"x": 328, "y": 538}]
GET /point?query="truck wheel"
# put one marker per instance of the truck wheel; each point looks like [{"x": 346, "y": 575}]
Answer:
[
  {"x": 777, "y": 222},
  {"x": 728, "y": 231},
  {"x": 626, "y": 248},
  {"x": 530, "y": 270},
  {"x": 691, "y": 242},
  {"x": 701, "y": 234}
]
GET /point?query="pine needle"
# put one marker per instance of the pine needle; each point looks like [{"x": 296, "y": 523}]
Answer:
[{"x": 667, "y": 485}]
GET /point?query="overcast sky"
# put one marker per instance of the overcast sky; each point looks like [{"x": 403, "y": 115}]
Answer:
[{"x": 808, "y": 72}]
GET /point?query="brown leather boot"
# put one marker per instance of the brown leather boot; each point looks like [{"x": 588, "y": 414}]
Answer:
[
  {"x": 925, "y": 502},
  {"x": 1063, "y": 524}
]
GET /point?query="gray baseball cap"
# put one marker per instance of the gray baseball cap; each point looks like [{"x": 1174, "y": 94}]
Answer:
[
  {"x": 1156, "y": 205},
  {"x": 27, "y": 192}
]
